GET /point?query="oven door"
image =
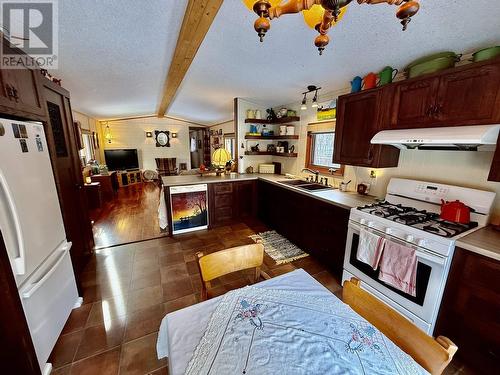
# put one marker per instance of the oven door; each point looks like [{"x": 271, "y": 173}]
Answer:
[{"x": 431, "y": 276}]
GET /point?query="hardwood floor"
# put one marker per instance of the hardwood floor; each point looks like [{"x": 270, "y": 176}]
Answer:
[{"x": 132, "y": 216}]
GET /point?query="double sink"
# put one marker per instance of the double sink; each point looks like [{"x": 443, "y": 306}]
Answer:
[{"x": 305, "y": 185}]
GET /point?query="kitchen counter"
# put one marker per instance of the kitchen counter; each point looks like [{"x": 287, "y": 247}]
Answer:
[
  {"x": 345, "y": 200},
  {"x": 485, "y": 241}
]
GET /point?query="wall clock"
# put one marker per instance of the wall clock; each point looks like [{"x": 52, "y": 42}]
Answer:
[{"x": 162, "y": 138}]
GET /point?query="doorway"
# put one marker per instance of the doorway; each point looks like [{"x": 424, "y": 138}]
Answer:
[{"x": 196, "y": 146}]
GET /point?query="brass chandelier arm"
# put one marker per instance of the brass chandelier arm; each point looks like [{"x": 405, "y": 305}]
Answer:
[
  {"x": 326, "y": 23},
  {"x": 373, "y": 2},
  {"x": 292, "y": 6}
]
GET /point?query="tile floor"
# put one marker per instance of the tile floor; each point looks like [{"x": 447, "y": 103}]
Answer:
[{"x": 128, "y": 289}]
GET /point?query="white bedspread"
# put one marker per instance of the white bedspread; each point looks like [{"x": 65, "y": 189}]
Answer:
[{"x": 296, "y": 326}]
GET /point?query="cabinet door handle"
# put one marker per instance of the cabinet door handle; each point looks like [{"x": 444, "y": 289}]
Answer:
[
  {"x": 438, "y": 110},
  {"x": 14, "y": 91},
  {"x": 9, "y": 90},
  {"x": 370, "y": 154},
  {"x": 428, "y": 111}
]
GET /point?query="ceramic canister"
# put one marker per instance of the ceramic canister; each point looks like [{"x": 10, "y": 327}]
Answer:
[
  {"x": 283, "y": 130},
  {"x": 290, "y": 130},
  {"x": 250, "y": 113}
]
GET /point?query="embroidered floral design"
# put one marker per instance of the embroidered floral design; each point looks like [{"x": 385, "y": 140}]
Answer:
[
  {"x": 362, "y": 338},
  {"x": 251, "y": 312}
]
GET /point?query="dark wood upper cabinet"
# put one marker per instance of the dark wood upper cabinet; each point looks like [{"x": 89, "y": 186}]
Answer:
[
  {"x": 360, "y": 116},
  {"x": 470, "y": 96},
  {"x": 20, "y": 91},
  {"x": 414, "y": 102},
  {"x": 495, "y": 164},
  {"x": 467, "y": 95}
]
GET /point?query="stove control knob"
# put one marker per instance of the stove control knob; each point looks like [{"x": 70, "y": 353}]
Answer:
[
  {"x": 410, "y": 238},
  {"x": 422, "y": 242},
  {"x": 388, "y": 230},
  {"x": 362, "y": 221},
  {"x": 370, "y": 223}
]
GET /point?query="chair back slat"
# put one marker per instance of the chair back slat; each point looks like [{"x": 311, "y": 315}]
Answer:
[{"x": 231, "y": 260}]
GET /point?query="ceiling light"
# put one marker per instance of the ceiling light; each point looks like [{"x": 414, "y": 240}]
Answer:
[
  {"x": 320, "y": 14},
  {"x": 303, "y": 107},
  {"x": 310, "y": 88},
  {"x": 315, "y": 100}
]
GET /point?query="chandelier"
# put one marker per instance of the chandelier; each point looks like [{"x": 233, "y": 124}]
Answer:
[{"x": 319, "y": 14}]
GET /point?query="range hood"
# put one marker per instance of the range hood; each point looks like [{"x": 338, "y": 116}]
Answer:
[{"x": 465, "y": 138}]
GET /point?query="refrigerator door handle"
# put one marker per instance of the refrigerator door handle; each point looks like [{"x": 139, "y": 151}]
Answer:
[
  {"x": 19, "y": 263},
  {"x": 64, "y": 248}
]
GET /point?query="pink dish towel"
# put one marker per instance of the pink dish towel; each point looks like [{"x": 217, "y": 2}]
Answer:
[
  {"x": 370, "y": 248},
  {"x": 398, "y": 267}
]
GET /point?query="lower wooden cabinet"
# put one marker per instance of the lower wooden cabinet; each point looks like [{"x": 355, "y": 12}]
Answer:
[
  {"x": 470, "y": 310},
  {"x": 231, "y": 201},
  {"x": 317, "y": 227}
]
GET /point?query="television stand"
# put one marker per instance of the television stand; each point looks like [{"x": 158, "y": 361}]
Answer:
[{"x": 132, "y": 177}]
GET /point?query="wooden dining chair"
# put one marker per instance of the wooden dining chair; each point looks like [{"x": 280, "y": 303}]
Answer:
[
  {"x": 227, "y": 261},
  {"x": 432, "y": 354}
]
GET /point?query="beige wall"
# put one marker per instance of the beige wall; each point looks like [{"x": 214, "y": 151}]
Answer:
[
  {"x": 468, "y": 169},
  {"x": 132, "y": 134},
  {"x": 92, "y": 125}
]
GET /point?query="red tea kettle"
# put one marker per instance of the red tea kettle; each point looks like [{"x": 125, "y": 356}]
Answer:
[{"x": 455, "y": 211}]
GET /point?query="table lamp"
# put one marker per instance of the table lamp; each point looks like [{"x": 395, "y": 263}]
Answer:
[{"x": 219, "y": 158}]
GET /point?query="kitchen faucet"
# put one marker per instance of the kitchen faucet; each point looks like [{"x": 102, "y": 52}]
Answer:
[{"x": 315, "y": 173}]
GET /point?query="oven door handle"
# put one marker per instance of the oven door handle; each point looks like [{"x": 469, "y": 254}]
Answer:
[{"x": 427, "y": 255}]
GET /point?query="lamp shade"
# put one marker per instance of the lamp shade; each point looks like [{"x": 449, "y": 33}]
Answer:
[
  {"x": 314, "y": 15},
  {"x": 249, "y": 3},
  {"x": 220, "y": 157}
]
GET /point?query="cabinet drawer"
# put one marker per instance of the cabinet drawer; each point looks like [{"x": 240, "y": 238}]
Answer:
[
  {"x": 223, "y": 188},
  {"x": 481, "y": 271},
  {"x": 223, "y": 214},
  {"x": 223, "y": 200}
]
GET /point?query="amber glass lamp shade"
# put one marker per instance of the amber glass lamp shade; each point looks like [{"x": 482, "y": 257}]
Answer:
[
  {"x": 314, "y": 16},
  {"x": 249, "y": 3},
  {"x": 220, "y": 157}
]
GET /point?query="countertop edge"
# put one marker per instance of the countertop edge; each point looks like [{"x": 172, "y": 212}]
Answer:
[
  {"x": 273, "y": 179},
  {"x": 478, "y": 250}
]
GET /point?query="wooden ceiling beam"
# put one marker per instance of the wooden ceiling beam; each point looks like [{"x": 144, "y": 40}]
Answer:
[{"x": 197, "y": 20}]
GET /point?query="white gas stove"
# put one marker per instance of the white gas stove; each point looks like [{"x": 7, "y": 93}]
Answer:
[{"x": 409, "y": 215}]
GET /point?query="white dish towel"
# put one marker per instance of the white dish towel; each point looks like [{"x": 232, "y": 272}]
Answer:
[
  {"x": 162, "y": 211},
  {"x": 370, "y": 248}
]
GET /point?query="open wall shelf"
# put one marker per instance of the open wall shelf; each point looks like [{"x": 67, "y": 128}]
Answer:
[
  {"x": 271, "y": 137},
  {"x": 284, "y": 154},
  {"x": 283, "y": 120}
]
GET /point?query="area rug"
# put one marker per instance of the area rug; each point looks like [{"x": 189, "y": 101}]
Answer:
[{"x": 278, "y": 247}]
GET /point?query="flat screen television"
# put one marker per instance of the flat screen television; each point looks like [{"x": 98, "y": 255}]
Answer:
[{"x": 121, "y": 160}]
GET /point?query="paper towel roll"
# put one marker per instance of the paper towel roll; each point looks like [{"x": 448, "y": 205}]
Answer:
[{"x": 241, "y": 165}]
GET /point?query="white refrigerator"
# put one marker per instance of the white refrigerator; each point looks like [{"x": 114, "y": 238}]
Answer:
[{"x": 34, "y": 235}]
